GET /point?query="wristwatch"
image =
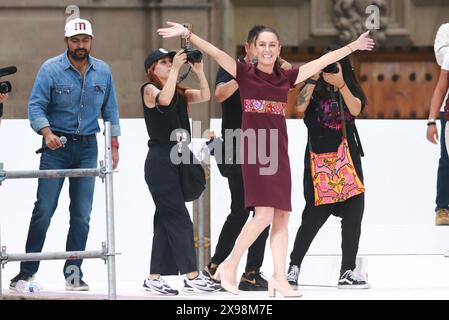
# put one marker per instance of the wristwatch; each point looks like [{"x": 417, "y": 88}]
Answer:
[
  {"x": 431, "y": 122},
  {"x": 311, "y": 81}
]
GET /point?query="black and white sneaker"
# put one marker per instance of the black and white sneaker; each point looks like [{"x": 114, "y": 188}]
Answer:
[
  {"x": 349, "y": 280},
  {"x": 21, "y": 276},
  {"x": 159, "y": 286},
  {"x": 293, "y": 275},
  {"x": 201, "y": 283}
]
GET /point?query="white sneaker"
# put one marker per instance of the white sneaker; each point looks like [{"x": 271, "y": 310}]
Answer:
[{"x": 159, "y": 286}]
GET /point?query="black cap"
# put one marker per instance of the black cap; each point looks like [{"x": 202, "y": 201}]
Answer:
[{"x": 157, "y": 55}]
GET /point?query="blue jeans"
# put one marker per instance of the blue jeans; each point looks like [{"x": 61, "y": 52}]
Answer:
[
  {"x": 442, "y": 200},
  {"x": 75, "y": 154}
]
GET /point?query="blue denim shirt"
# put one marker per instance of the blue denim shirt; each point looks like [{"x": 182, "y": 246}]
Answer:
[{"x": 62, "y": 100}]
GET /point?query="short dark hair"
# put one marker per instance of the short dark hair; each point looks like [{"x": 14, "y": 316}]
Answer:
[{"x": 254, "y": 32}]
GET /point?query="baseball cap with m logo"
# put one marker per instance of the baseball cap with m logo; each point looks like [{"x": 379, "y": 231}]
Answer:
[{"x": 78, "y": 26}]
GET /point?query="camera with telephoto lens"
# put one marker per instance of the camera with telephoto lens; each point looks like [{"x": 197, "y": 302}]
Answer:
[
  {"x": 5, "y": 87},
  {"x": 193, "y": 56},
  {"x": 332, "y": 68}
]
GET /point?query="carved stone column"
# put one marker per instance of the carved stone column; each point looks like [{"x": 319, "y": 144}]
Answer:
[{"x": 351, "y": 18}]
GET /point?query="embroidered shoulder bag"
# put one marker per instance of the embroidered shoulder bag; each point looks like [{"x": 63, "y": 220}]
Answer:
[{"x": 333, "y": 173}]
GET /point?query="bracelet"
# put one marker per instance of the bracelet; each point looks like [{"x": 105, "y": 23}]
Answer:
[
  {"x": 350, "y": 48},
  {"x": 431, "y": 123},
  {"x": 115, "y": 144},
  {"x": 342, "y": 86},
  {"x": 204, "y": 88},
  {"x": 186, "y": 34}
]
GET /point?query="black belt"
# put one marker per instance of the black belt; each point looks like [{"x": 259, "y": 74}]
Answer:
[{"x": 74, "y": 137}]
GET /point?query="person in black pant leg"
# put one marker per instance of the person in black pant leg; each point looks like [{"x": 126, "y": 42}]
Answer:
[
  {"x": 166, "y": 116},
  {"x": 228, "y": 95},
  {"x": 324, "y": 126}
]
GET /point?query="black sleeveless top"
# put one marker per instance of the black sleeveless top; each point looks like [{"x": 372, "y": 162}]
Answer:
[{"x": 161, "y": 121}]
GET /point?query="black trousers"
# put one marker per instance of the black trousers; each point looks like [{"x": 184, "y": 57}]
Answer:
[
  {"x": 173, "y": 250},
  {"x": 313, "y": 218},
  {"x": 234, "y": 224}
]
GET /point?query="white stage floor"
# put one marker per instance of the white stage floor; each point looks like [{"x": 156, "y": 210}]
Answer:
[
  {"x": 391, "y": 277},
  {"x": 430, "y": 292}
]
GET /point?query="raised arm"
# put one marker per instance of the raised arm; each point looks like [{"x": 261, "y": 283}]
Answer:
[
  {"x": 203, "y": 93},
  {"x": 222, "y": 58},
  {"x": 309, "y": 69},
  {"x": 305, "y": 94}
]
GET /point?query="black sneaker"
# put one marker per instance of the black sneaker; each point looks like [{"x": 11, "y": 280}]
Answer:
[
  {"x": 253, "y": 281},
  {"x": 21, "y": 276},
  {"x": 293, "y": 275},
  {"x": 76, "y": 285},
  {"x": 209, "y": 272},
  {"x": 349, "y": 280}
]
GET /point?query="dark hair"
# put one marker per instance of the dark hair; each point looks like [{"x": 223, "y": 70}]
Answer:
[
  {"x": 254, "y": 33},
  {"x": 267, "y": 29},
  {"x": 348, "y": 76},
  {"x": 154, "y": 80},
  {"x": 277, "y": 64}
]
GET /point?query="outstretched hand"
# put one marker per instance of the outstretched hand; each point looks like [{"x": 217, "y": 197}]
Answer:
[
  {"x": 175, "y": 30},
  {"x": 364, "y": 42}
]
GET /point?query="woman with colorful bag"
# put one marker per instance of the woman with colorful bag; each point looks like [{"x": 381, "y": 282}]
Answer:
[{"x": 333, "y": 177}]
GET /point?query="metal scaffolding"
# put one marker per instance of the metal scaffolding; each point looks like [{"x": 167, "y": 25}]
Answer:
[{"x": 107, "y": 252}]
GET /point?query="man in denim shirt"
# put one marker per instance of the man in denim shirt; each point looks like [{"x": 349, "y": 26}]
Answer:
[{"x": 70, "y": 92}]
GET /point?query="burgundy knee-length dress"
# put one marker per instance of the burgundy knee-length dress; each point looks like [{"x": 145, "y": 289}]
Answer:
[{"x": 266, "y": 172}]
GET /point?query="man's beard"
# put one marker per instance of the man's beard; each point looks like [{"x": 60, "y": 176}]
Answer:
[{"x": 79, "y": 54}]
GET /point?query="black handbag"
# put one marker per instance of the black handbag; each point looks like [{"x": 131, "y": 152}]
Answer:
[{"x": 193, "y": 178}]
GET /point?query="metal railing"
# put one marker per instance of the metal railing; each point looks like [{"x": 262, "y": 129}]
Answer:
[{"x": 107, "y": 253}]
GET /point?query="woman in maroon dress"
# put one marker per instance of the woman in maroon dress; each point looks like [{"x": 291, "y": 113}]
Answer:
[{"x": 266, "y": 168}]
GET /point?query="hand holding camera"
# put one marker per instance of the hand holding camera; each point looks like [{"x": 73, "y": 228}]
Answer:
[
  {"x": 3, "y": 97},
  {"x": 5, "y": 86},
  {"x": 179, "y": 60},
  {"x": 197, "y": 67},
  {"x": 335, "y": 77}
]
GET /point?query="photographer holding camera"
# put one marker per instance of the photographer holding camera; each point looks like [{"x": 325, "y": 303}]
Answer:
[
  {"x": 5, "y": 86},
  {"x": 320, "y": 99},
  {"x": 165, "y": 106}
]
